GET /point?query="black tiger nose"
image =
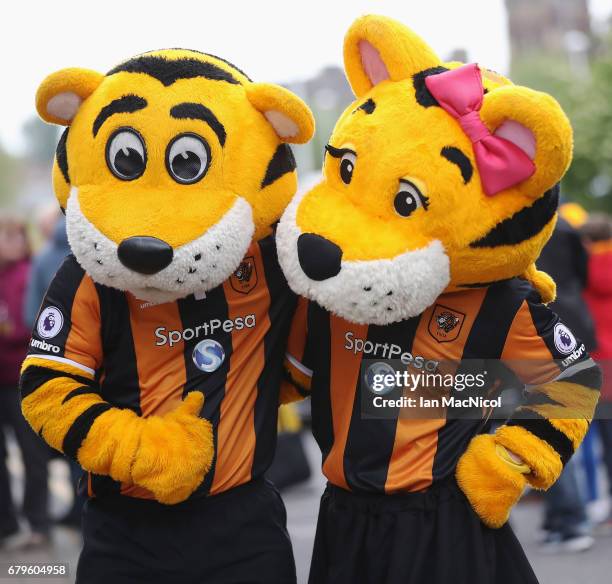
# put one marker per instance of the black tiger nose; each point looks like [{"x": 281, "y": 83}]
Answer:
[
  {"x": 319, "y": 258},
  {"x": 145, "y": 255}
]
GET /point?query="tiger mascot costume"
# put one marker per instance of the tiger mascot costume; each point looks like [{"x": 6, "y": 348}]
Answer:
[
  {"x": 156, "y": 359},
  {"x": 439, "y": 190}
]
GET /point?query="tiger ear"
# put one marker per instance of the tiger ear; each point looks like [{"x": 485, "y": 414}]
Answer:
[
  {"x": 290, "y": 117},
  {"x": 377, "y": 48},
  {"x": 61, "y": 94},
  {"x": 535, "y": 122}
]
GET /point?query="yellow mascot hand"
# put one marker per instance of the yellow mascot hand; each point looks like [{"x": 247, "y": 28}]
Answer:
[
  {"x": 490, "y": 479},
  {"x": 175, "y": 452}
]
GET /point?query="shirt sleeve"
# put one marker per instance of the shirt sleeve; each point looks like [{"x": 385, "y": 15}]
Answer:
[
  {"x": 67, "y": 328},
  {"x": 562, "y": 389},
  {"x": 298, "y": 368},
  {"x": 540, "y": 348}
]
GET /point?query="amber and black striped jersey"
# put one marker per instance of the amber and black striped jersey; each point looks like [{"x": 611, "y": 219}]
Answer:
[
  {"x": 228, "y": 344},
  {"x": 503, "y": 321}
]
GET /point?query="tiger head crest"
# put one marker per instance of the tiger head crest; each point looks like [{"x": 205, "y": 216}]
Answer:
[
  {"x": 439, "y": 176},
  {"x": 170, "y": 165}
]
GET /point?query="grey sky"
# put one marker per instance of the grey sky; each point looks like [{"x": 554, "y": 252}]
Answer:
[{"x": 272, "y": 40}]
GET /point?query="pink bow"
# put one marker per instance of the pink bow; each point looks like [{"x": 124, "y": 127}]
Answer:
[{"x": 501, "y": 163}]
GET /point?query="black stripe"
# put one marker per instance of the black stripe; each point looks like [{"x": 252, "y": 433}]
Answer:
[
  {"x": 280, "y": 164},
  {"x": 537, "y": 398},
  {"x": 540, "y": 427},
  {"x": 194, "y": 313},
  {"x": 524, "y": 224},
  {"x": 318, "y": 351},
  {"x": 367, "y": 106},
  {"x": 453, "y": 439},
  {"x": 167, "y": 71},
  {"x": 590, "y": 378},
  {"x": 81, "y": 426},
  {"x": 61, "y": 155},
  {"x": 488, "y": 334},
  {"x": 84, "y": 390},
  {"x": 282, "y": 307},
  {"x": 227, "y": 63},
  {"x": 303, "y": 391},
  {"x": 544, "y": 320},
  {"x": 456, "y": 156},
  {"x": 421, "y": 93},
  {"x": 34, "y": 376},
  {"x": 369, "y": 443},
  {"x": 197, "y": 111},
  {"x": 238, "y": 70},
  {"x": 126, "y": 104},
  {"x": 60, "y": 295},
  {"x": 121, "y": 385},
  {"x": 485, "y": 341}
]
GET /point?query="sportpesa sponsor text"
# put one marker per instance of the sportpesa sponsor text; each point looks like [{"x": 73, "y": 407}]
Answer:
[
  {"x": 172, "y": 337},
  {"x": 387, "y": 351}
]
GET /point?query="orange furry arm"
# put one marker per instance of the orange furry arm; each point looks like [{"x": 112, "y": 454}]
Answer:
[
  {"x": 540, "y": 437},
  {"x": 169, "y": 456}
]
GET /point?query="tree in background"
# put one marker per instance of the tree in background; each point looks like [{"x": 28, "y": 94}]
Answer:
[
  {"x": 556, "y": 48},
  {"x": 586, "y": 99}
]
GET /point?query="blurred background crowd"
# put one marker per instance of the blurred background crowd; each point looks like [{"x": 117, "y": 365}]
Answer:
[{"x": 560, "y": 46}]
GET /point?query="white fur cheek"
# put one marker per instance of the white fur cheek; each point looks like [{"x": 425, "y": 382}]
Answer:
[
  {"x": 287, "y": 234},
  {"x": 386, "y": 291},
  {"x": 96, "y": 254},
  {"x": 368, "y": 292},
  {"x": 197, "y": 266}
]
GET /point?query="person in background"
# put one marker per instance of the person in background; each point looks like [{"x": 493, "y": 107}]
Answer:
[
  {"x": 44, "y": 266},
  {"x": 565, "y": 258},
  {"x": 14, "y": 337},
  {"x": 597, "y": 232},
  {"x": 46, "y": 220}
]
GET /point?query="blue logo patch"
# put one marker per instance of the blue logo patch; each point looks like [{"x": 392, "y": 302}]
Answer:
[
  {"x": 565, "y": 341},
  {"x": 208, "y": 355},
  {"x": 376, "y": 378},
  {"x": 50, "y": 322}
]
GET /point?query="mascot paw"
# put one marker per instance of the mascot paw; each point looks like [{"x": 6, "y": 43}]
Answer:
[
  {"x": 175, "y": 452},
  {"x": 490, "y": 479}
]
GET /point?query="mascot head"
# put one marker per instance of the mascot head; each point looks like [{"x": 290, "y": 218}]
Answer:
[
  {"x": 170, "y": 165},
  {"x": 439, "y": 176}
]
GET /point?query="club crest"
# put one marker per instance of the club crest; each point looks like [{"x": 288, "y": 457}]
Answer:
[
  {"x": 445, "y": 323},
  {"x": 244, "y": 279}
]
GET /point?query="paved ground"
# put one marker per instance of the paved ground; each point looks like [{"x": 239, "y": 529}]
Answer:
[{"x": 592, "y": 567}]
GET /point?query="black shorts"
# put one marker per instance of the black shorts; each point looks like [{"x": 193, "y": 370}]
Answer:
[
  {"x": 235, "y": 537},
  {"x": 432, "y": 537}
]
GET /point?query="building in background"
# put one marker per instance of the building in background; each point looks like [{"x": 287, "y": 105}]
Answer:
[{"x": 544, "y": 25}]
